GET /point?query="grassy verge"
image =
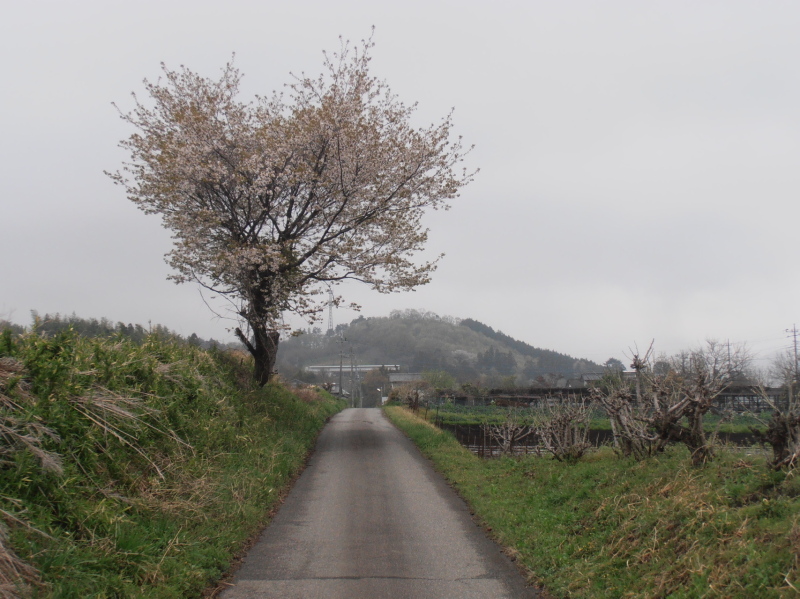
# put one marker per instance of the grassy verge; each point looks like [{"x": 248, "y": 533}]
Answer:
[
  {"x": 610, "y": 527},
  {"x": 136, "y": 470}
]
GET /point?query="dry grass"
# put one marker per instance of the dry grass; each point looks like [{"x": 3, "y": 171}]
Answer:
[
  {"x": 307, "y": 394},
  {"x": 11, "y": 382},
  {"x": 168, "y": 465},
  {"x": 16, "y": 433},
  {"x": 17, "y": 578},
  {"x": 188, "y": 493}
]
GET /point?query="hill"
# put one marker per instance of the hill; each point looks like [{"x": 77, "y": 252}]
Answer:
[{"x": 423, "y": 341}]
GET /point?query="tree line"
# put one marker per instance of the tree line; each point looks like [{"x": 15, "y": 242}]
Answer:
[{"x": 51, "y": 324}]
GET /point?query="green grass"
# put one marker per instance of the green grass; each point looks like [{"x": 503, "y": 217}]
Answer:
[
  {"x": 169, "y": 462},
  {"x": 736, "y": 423},
  {"x": 608, "y": 527}
]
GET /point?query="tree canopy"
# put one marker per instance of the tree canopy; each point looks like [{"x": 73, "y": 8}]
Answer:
[{"x": 272, "y": 201}]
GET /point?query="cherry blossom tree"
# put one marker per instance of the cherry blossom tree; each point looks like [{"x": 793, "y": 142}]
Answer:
[{"x": 270, "y": 202}]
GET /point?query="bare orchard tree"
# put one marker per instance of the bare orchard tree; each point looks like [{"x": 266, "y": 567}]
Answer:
[
  {"x": 700, "y": 378},
  {"x": 563, "y": 428},
  {"x": 412, "y": 394},
  {"x": 783, "y": 427},
  {"x": 271, "y": 201},
  {"x": 668, "y": 404},
  {"x": 511, "y": 432},
  {"x": 628, "y": 417},
  {"x": 626, "y": 408}
]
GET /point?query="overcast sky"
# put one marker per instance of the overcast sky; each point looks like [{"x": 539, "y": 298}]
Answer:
[{"x": 639, "y": 160}]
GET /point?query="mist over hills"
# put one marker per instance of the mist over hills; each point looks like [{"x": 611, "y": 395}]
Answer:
[
  {"x": 417, "y": 341},
  {"x": 421, "y": 341}
]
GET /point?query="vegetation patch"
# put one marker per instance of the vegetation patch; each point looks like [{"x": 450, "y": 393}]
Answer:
[
  {"x": 137, "y": 469},
  {"x": 447, "y": 412},
  {"x": 613, "y": 527}
]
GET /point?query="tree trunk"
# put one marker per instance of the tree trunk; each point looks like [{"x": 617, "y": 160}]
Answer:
[
  {"x": 264, "y": 350},
  {"x": 695, "y": 438}
]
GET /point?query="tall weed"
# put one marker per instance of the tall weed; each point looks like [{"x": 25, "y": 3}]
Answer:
[{"x": 135, "y": 469}]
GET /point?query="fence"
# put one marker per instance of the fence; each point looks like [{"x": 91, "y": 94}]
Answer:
[
  {"x": 479, "y": 441},
  {"x": 738, "y": 399}
]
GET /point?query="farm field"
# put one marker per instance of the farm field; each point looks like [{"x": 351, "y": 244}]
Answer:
[
  {"x": 612, "y": 527},
  {"x": 449, "y": 413}
]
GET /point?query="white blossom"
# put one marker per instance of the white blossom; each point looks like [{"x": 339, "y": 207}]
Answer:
[{"x": 269, "y": 200}]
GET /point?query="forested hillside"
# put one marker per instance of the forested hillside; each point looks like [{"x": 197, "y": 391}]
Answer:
[{"x": 423, "y": 341}]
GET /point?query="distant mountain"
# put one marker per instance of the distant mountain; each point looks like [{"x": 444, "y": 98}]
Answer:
[{"x": 418, "y": 341}]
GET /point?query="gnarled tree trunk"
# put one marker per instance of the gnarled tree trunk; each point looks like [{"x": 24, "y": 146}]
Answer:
[{"x": 264, "y": 350}]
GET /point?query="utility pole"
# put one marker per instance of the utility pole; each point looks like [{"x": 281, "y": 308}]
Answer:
[
  {"x": 794, "y": 331},
  {"x": 729, "y": 357},
  {"x": 358, "y": 384},
  {"x": 341, "y": 341},
  {"x": 352, "y": 386},
  {"x": 355, "y": 381}
]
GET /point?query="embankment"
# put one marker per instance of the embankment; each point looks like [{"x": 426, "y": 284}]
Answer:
[
  {"x": 611, "y": 527},
  {"x": 133, "y": 470}
]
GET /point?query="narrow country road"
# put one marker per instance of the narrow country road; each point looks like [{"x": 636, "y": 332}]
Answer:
[{"x": 370, "y": 518}]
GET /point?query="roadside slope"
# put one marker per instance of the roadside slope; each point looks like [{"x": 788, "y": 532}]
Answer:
[
  {"x": 133, "y": 470},
  {"x": 607, "y": 527}
]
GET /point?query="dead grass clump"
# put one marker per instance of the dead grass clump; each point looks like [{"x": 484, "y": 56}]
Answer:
[
  {"x": 16, "y": 433},
  {"x": 17, "y": 578},
  {"x": 187, "y": 491},
  {"x": 122, "y": 417},
  {"x": 306, "y": 394},
  {"x": 12, "y": 383},
  {"x": 10, "y": 367}
]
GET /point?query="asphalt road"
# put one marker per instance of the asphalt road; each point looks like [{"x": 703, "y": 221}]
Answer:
[{"x": 370, "y": 518}]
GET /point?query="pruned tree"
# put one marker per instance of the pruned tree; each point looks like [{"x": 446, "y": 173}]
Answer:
[
  {"x": 510, "y": 433},
  {"x": 667, "y": 405},
  {"x": 411, "y": 394},
  {"x": 629, "y": 413},
  {"x": 563, "y": 429},
  {"x": 782, "y": 432},
  {"x": 271, "y": 201},
  {"x": 701, "y": 379},
  {"x": 629, "y": 424}
]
